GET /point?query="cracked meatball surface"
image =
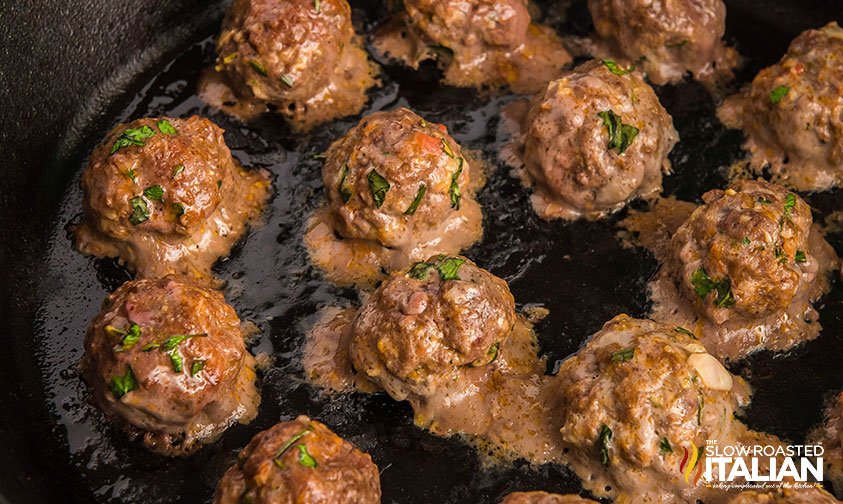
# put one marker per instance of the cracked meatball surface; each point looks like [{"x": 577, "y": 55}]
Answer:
[
  {"x": 792, "y": 113},
  {"x": 167, "y": 358},
  {"x": 477, "y": 43},
  {"x": 666, "y": 39},
  {"x": 165, "y": 196},
  {"x": 300, "y": 461},
  {"x": 300, "y": 57},
  {"x": 594, "y": 140},
  {"x": 425, "y": 323}
]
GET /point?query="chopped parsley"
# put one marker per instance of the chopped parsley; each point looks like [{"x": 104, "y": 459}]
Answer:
[
  {"x": 257, "y": 67},
  {"x": 420, "y": 270},
  {"x": 196, "y": 367},
  {"x": 703, "y": 284},
  {"x": 621, "y": 135},
  {"x": 442, "y": 49},
  {"x": 171, "y": 347},
  {"x": 665, "y": 447},
  {"x": 415, "y": 204},
  {"x": 131, "y": 174},
  {"x": 763, "y": 200},
  {"x": 449, "y": 267},
  {"x": 677, "y": 44},
  {"x": 700, "y": 409},
  {"x": 140, "y": 211},
  {"x": 122, "y": 385},
  {"x": 344, "y": 190},
  {"x": 623, "y": 355},
  {"x": 454, "y": 189},
  {"x": 777, "y": 94},
  {"x": 155, "y": 192},
  {"x": 178, "y": 208},
  {"x": 685, "y": 331},
  {"x": 605, "y": 437},
  {"x": 800, "y": 256},
  {"x": 132, "y": 136},
  {"x": 287, "y": 444},
  {"x": 219, "y": 184},
  {"x": 746, "y": 240},
  {"x": 130, "y": 337},
  {"x": 447, "y": 149},
  {"x": 304, "y": 458},
  {"x": 789, "y": 203},
  {"x": 317, "y": 5},
  {"x": 177, "y": 170},
  {"x": 379, "y": 187},
  {"x": 287, "y": 80},
  {"x": 165, "y": 127},
  {"x": 490, "y": 356},
  {"x": 231, "y": 57},
  {"x": 615, "y": 69}
]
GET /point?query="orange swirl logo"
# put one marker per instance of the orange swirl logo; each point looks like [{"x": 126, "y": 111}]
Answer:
[{"x": 689, "y": 461}]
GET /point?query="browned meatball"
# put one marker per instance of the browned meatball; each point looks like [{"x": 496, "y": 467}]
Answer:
[
  {"x": 300, "y": 461},
  {"x": 165, "y": 196},
  {"x": 299, "y": 56},
  {"x": 167, "y": 358},
  {"x": 399, "y": 190},
  {"x": 792, "y": 114},
  {"x": 478, "y": 43},
  {"x": 543, "y": 498},
  {"x": 785, "y": 496},
  {"x": 667, "y": 39},
  {"x": 830, "y": 434},
  {"x": 745, "y": 252},
  {"x": 634, "y": 400},
  {"x": 596, "y": 138},
  {"x": 424, "y": 323}
]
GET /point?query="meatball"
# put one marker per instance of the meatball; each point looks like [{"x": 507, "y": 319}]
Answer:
[
  {"x": 167, "y": 359},
  {"x": 165, "y": 196},
  {"x": 637, "y": 397},
  {"x": 666, "y": 39},
  {"x": 478, "y": 43},
  {"x": 792, "y": 113},
  {"x": 543, "y": 498},
  {"x": 400, "y": 185},
  {"x": 300, "y": 461},
  {"x": 830, "y": 434},
  {"x": 299, "y": 57},
  {"x": 426, "y": 322},
  {"x": 596, "y": 138},
  {"x": 785, "y": 496}
]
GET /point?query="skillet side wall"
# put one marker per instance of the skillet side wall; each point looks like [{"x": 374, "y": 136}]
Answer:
[{"x": 64, "y": 70}]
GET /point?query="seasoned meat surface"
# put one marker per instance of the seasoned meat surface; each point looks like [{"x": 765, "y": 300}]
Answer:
[
  {"x": 792, "y": 113},
  {"x": 785, "y": 496},
  {"x": 666, "y": 39},
  {"x": 594, "y": 139},
  {"x": 167, "y": 358},
  {"x": 543, "y": 498},
  {"x": 300, "y": 461},
  {"x": 299, "y": 57},
  {"x": 478, "y": 43},
  {"x": 745, "y": 257},
  {"x": 425, "y": 323},
  {"x": 397, "y": 185},
  {"x": 636, "y": 396},
  {"x": 165, "y": 196}
]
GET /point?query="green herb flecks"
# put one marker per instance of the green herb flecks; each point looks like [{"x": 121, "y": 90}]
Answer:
[
  {"x": 449, "y": 267},
  {"x": 178, "y": 208},
  {"x": 287, "y": 444},
  {"x": 623, "y": 355},
  {"x": 287, "y": 80},
  {"x": 140, "y": 211},
  {"x": 419, "y": 270},
  {"x": 685, "y": 331},
  {"x": 344, "y": 190},
  {"x": 379, "y": 186},
  {"x": 257, "y": 67},
  {"x": 447, "y": 149},
  {"x": 703, "y": 284},
  {"x": 665, "y": 447},
  {"x": 621, "y": 135},
  {"x": 777, "y": 94},
  {"x": 442, "y": 49},
  {"x": 615, "y": 69},
  {"x": 763, "y": 200},
  {"x": 317, "y": 5},
  {"x": 415, "y": 204},
  {"x": 165, "y": 127},
  {"x": 196, "y": 367},
  {"x": 131, "y": 174},
  {"x": 122, "y": 385},
  {"x": 304, "y": 458},
  {"x": 700, "y": 409},
  {"x": 800, "y": 256},
  {"x": 132, "y": 136},
  {"x": 231, "y": 57},
  {"x": 789, "y": 203},
  {"x": 605, "y": 438},
  {"x": 177, "y": 170},
  {"x": 489, "y": 357},
  {"x": 677, "y": 44},
  {"x": 746, "y": 240},
  {"x": 130, "y": 337},
  {"x": 454, "y": 188},
  {"x": 171, "y": 347},
  {"x": 155, "y": 192}
]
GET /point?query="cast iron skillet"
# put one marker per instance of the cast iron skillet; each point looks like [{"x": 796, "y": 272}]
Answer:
[{"x": 68, "y": 73}]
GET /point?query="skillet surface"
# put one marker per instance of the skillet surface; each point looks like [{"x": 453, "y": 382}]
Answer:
[{"x": 55, "y": 444}]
